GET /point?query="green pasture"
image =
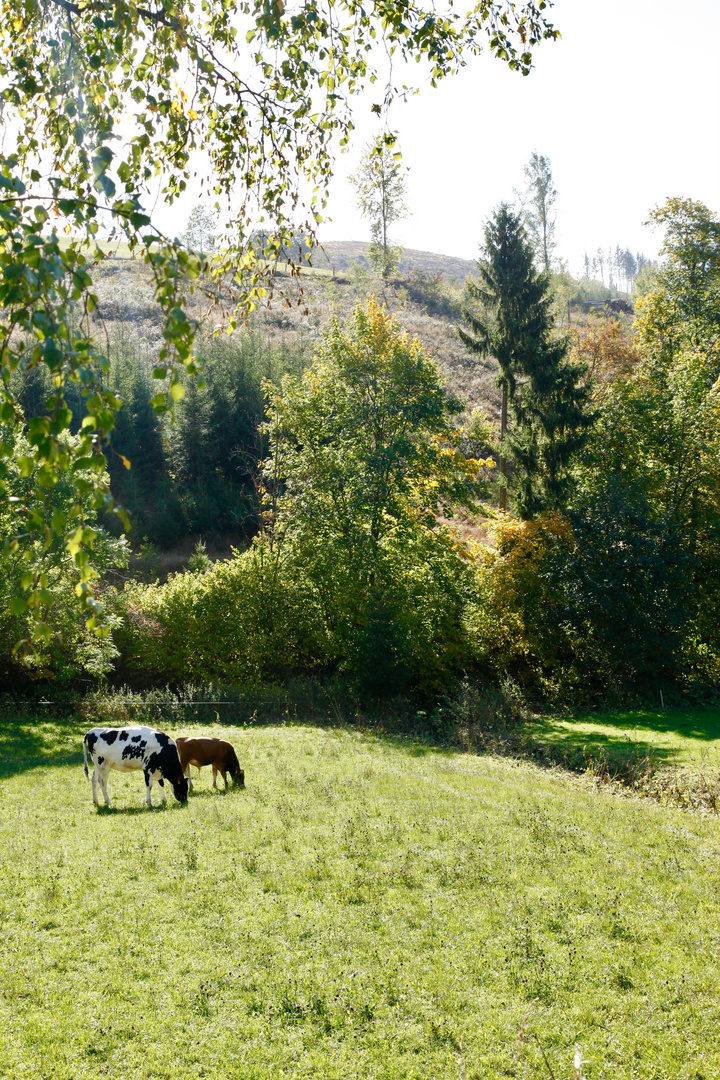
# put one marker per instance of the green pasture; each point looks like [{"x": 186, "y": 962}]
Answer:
[
  {"x": 366, "y": 908},
  {"x": 685, "y": 738}
]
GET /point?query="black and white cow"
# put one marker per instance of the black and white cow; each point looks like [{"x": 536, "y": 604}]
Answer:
[{"x": 134, "y": 748}]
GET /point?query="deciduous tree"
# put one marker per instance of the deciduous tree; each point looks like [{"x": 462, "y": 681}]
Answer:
[
  {"x": 363, "y": 451},
  {"x": 201, "y": 229},
  {"x": 607, "y": 349},
  {"x": 365, "y": 435},
  {"x": 539, "y": 207},
  {"x": 657, "y": 441},
  {"x": 692, "y": 239},
  {"x": 380, "y": 185}
]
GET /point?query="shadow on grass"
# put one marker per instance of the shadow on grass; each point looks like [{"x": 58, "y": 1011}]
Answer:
[
  {"x": 35, "y": 743},
  {"x": 580, "y": 744},
  {"x": 156, "y": 808},
  {"x": 30, "y": 744},
  {"x": 698, "y": 723},
  {"x": 549, "y": 742},
  {"x": 207, "y": 793}
]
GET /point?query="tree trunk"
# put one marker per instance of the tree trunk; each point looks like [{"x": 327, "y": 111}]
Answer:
[
  {"x": 384, "y": 232},
  {"x": 503, "y": 459}
]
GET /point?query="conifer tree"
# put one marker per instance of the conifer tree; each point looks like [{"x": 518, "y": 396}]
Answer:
[{"x": 514, "y": 324}]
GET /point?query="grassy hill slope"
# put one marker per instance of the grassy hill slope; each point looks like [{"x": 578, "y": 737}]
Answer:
[
  {"x": 302, "y": 306},
  {"x": 341, "y": 254}
]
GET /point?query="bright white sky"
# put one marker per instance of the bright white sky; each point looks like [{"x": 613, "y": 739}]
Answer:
[{"x": 626, "y": 106}]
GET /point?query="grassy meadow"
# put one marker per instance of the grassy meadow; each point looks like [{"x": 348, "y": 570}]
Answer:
[
  {"x": 680, "y": 737},
  {"x": 367, "y": 908}
]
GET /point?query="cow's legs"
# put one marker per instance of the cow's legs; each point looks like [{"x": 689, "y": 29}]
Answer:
[
  {"x": 215, "y": 772},
  {"x": 103, "y": 773},
  {"x": 224, "y": 776},
  {"x": 148, "y": 785},
  {"x": 95, "y": 784},
  {"x": 188, "y": 777},
  {"x": 161, "y": 782}
]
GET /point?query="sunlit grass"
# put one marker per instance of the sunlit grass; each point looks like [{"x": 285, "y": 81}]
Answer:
[
  {"x": 120, "y": 249},
  {"x": 684, "y": 737},
  {"x": 365, "y": 908}
]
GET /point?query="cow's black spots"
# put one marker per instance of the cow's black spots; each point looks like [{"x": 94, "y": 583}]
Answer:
[
  {"x": 152, "y": 762},
  {"x": 91, "y": 739},
  {"x": 161, "y": 782},
  {"x": 169, "y": 761},
  {"x": 136, "y": 738},
  {"x": 110, "y": 735},
  {"x": 123, "y": 735},
  {"x": 131, "y": 751},
  {"x": 162, "y": 738},
  {"x": 100, "y": 760}
]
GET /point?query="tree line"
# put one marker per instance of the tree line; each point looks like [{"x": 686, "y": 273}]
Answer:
[
  {"x": 602, "y": 580},
  {"x": 599, "y": 577},
  {"x": 622, "y": 266}
]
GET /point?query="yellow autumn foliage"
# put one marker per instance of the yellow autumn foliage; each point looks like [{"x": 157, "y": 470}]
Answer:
[{"x": 519, "y": 600}]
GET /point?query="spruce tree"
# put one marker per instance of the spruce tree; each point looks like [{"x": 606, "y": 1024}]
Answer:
[{"x": 549, "y": 407}]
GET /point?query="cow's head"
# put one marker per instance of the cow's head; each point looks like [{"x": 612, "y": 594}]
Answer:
[
  {"x": 180, "y": 788},
  {"x": 233, "y": 767},
  {"x": 172, "y": 771}
]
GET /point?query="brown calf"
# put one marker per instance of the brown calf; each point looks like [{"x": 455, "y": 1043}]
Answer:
[{"x": 216, "y": 752}]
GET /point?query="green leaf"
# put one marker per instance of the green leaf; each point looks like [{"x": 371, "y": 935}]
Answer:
[{"x": 74, "y": 541}]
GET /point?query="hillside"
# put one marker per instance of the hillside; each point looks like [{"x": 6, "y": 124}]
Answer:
[
  {"x": 341, "y": 254},
  {"x": 302, "y": 306},
  {"x": 195, "y": 476}
]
